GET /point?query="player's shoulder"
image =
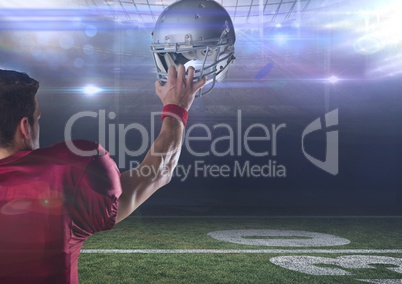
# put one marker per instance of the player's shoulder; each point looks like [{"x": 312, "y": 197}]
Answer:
[{"x": 72, "y": 151}]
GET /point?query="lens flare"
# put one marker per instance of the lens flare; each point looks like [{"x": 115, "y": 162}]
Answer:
[{"x": 92, "y": 90}]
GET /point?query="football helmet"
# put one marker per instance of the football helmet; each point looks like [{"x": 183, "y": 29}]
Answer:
[{"x": 196, "y": 33}]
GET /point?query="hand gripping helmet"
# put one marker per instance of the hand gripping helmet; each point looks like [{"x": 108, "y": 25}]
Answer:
[{"x": 196, "y": 33}]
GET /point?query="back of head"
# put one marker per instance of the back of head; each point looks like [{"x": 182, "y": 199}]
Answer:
[{"x": 17, "y": 100}]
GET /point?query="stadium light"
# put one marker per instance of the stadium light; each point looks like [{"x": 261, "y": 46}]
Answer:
[
  {"x": 281, "y": 38},
  {"x": 333, "y": 79},
  {"x": 381, "y": 29},
  {"x": 91, "y": 90}
]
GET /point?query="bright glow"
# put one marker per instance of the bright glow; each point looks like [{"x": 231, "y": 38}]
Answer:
[
  {"x": 92, "y": 90},
  {"x": 32, "y": 4},
  {"x": 280, "y": 38},
  {"x": 333, "y": 79},
  {"x": 379, "y": 31},
  {"x": 381, "y": 27},
  {"x": 278, "y": 25},
  {"x": 367, "y": 45}
]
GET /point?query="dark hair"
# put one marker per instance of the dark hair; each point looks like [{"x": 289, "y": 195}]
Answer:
[{"x": 17, "y": 100}]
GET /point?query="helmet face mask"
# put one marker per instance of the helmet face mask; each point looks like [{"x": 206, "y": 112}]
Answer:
[{"x": 197, "y": 33}]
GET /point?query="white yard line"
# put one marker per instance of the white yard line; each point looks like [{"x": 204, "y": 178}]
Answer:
[
  {"x": 265, "y": 217},
  {"x": 240, "y": 251}
]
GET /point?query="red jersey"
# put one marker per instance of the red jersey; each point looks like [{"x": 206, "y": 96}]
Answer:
[{"x": 51, "y": 201}]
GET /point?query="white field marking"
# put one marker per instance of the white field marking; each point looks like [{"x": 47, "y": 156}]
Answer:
[
  {"x": 382, "y": 281},
  {"x": 300, "y": 238},
  {"x": 241, "y": 251},
  {"x": 265, "y": 217},
  {"x": 308, "y": 264}
]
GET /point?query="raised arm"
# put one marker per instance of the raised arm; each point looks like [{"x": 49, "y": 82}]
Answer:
[{"x": 164, "y": 154}]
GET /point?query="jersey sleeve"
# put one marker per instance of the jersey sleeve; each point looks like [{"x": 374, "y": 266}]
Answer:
[{"x": 96, "y": 196}]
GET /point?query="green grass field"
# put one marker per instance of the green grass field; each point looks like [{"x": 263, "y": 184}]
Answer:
[{"x": 179, "y": 250}]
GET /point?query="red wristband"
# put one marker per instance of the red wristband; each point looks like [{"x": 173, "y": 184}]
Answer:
[{"x": 175, "y": 111}]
